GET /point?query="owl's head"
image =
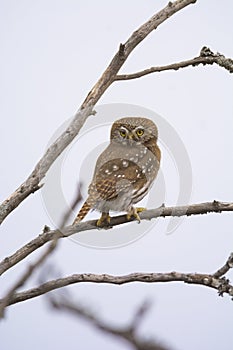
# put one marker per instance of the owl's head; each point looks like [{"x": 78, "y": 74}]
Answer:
[{"x": 130, "y": 129}]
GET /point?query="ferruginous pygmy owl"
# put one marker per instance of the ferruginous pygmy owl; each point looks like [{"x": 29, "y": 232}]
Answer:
[{"x": 125, "y": 170}]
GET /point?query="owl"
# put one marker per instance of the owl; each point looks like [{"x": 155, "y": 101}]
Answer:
[{"x": 124, "y": 171}]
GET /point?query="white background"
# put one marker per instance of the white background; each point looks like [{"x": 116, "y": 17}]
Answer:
[{"x": 52, "y": 52}]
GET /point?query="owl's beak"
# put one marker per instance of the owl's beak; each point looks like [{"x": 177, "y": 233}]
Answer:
[{"x": 130, "y": 138}]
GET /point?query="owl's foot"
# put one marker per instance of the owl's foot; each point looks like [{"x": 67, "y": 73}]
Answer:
[
  {"x": 104, "y": 220},
  {"x": 134, "y": 212}
]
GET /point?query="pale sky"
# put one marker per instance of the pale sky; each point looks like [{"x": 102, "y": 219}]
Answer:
[{"x": 52, "y": 52}]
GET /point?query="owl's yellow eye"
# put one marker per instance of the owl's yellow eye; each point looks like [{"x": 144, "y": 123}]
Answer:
[
  {"x": 123, "y": 133},
  {"x": 140, "y": 132}
]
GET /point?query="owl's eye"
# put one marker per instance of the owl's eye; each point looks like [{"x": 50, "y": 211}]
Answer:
[
  {"x": 140, "y": 132},
  {"x": 123, "y": 133}
]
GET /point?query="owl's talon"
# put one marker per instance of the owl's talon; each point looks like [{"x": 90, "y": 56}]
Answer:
[
  {"x": 134, "y": 212},
  {"x": 140, "y": 209},
  {"x": 104, "y": 220}
]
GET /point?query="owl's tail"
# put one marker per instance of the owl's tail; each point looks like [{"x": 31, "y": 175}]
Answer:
[{"x": 82, "y": 212}]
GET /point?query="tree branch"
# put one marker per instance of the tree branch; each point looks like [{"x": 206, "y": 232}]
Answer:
[
  {"x": 129, "y": 334},
  {"x": 206, "y": 57},
  {"x": 47, "y": 234},
  {"x": 32, "y": 183},
  {"x": 221, "y": 284}
]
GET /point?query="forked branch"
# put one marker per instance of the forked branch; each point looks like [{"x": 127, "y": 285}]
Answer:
[{"x": 128, "y": 333}]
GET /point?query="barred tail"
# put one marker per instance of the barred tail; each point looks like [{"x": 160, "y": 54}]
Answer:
[{"x": 82, "y": 212}]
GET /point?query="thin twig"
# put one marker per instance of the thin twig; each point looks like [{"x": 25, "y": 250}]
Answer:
[
  {"x": 225, "y": 268},
  {"x": 206, "y": 57},
  {"x": 139, "y": 315},
  {"x": 47, "y": 235},
  {"x": 77, "y": 199}
]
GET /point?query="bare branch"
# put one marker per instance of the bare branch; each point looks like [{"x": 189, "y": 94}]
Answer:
[
  {"x": 206, "y": 57},
  {"x": 47, "y": 235},
  {"x": 32, "y": 183},
  {"x": 127, "y": 333},
  {"x": 220, "y": 284}
]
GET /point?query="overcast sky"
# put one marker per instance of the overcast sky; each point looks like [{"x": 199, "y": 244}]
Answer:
[{"x": 52, "y": 52}]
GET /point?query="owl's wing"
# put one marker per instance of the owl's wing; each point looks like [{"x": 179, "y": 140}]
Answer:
[
  {"x": 114, "y": 177},
  {"x": 103, "y": 189}
]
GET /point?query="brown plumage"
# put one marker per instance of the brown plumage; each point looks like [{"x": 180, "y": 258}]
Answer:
[
  {"x": 82, "y": 212},
  {"x": 125, "y": 170}
]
